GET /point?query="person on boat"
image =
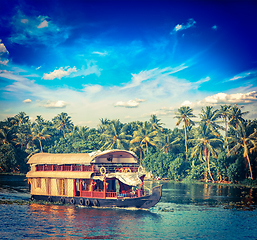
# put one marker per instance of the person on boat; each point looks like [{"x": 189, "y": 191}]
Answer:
[{"x": 93, "y": 184}]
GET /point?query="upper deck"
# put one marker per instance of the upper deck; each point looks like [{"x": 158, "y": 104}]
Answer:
[{"x": 96, "y": 163}]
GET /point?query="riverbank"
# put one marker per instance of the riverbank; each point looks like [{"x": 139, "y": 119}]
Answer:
[{"x": 246, "y": 183}]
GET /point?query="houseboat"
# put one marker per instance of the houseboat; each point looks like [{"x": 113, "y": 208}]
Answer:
[{"x": 110, "y": 178}]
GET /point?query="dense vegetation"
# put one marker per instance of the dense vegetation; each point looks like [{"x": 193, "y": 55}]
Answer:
[{"x": 220, "y": 147}]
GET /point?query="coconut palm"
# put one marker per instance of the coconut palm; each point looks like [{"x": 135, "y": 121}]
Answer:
[
  {"x": 205, "y": 145},
  {"x": 209, "y": 117},
  {"x": 224, "y": 114},
  {"x": 21, "y": 118},
  {"x": 40, "y": 133},
  {"x": 62, "y": 122},
  {"x": 144, "y": 136},
  {"x": 103, "y": 125},
  {"x": 156, "y": 122},
  {"x": 8, "y": 135},
  {"x": 183, "y": 115},
  {"x": 236, "y": 115},
  {"x": 244, "y": 138},
  {"x": 115, "y": 136},
  {"x": 166, "y": 141}
]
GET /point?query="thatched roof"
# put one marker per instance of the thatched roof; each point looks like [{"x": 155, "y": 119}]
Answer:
[
  {"x": 65, "y": 158},
  {"x": 80, "y": 158}
]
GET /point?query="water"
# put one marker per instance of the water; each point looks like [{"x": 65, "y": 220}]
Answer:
[{"x": 186, "y": 211}]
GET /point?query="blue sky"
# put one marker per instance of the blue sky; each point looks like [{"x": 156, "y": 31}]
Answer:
[{"x": 126, "y": 59}]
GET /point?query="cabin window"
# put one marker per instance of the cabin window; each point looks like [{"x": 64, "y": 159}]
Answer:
[
  {"x": 38, "y": 183},
  {"x": 63, "y": 186}
]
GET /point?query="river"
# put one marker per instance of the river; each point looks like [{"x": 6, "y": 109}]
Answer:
[{"x": 186, "y": 211}]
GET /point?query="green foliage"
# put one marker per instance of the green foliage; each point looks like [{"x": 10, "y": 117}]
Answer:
[
  {"x": 237, "y": 171},
  {"x": 190, "y": 152},
  {"x": 178, "y": 168}
]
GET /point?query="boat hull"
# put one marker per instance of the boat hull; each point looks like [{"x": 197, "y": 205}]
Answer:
[{"x": 144, "y": 202}]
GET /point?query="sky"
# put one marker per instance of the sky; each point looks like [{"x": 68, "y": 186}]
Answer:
[{"x": 125, "y": 59}]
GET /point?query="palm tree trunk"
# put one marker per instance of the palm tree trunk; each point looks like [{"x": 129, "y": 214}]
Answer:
[
  {"x": 40, "y": 145},
  {"x": 226, "y": 132},
  {"x": 141, "y": 155},
  {"x": 206, "y": 153},
  {"x": 185, "y": 137},
  {"x": 249, "y": 163}
]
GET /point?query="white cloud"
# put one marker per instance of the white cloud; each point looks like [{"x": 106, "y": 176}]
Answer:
[
  {"x": 203, "y": 80},
  {"x": 4, "y": 62},
  {"x": 92, "y": 89},
  {"x": 129, "y": 104},
  {"x": 186, "y": 103},
  {"x": 101, "y": 53},
  {"x": 179, "y": 27},
  {"x": 32, "y": 29},
  {"x": 251, "y": 73},
  {"x": 25, "y": 20},
  {"x": 238, "y": 98},
  {"x": 59, "y": 73},
  {"x": 43, "y": 24},
  {"x": 3, "y": 49},
  {"x": 91, "y": 69},
  {"x": 57, "y": 104},
  {"x": 27, "y": 101},
  {"x": 214, "y": 27},
  {"x": 3, "y": 54},
  {"x": 152, "y": 74}
]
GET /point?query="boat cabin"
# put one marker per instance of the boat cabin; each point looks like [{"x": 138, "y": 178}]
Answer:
[{"x": 101, "y": 175}]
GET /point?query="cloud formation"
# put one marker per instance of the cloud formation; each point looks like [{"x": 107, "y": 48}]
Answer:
[
  {"x": 3, "y": 54},
  {"x": 57, "y": 104},
  {"x": 238, "y": 98},
  {"x": 179, "y": 27},
  {"x": 59, "y": 73},
  {"x": 129, "y": 104},
  {"x": 163, "y": 111},
  {"x": 247, "y": 74},
  {"x": 100, "y": 53},
  {"x": 73, "y": 72},
  {"x": 27, "y": 100},
  {"x": 36, "y": 29},
  {"x": 152, "y": 74}
]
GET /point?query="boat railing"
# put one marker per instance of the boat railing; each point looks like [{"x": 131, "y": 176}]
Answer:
[
  {"x": 138, "y": 193},
  {"x": 53, "y": 167},
  {"x": 98, "y": 170},
  {"x": 112, "y": 169}
]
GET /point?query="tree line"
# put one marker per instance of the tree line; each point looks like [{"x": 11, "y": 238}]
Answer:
[{"x": 220, "y": 147}]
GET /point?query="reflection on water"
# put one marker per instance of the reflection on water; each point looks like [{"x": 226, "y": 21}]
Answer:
[
  {"x": 210, "y": 195},
  {"x": 186, "y": 211}
]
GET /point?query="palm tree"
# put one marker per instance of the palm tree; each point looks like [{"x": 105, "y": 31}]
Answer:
[
  {"x": 144, "y": 136},
  {"x": 156, "y": 122},
  {"x": 236, "y": 115},
  {"x": 103, "y": 125},
  {"x": 8, "y": 135},
  {"x": 63, "y": 123},
  {"x": 209, "y": 117},
  {"x": 40, "y": 133},
  {"x": 21, "y": 118},
  {"x": 224, "y": 114},
  {"x": 80, "y": 133},
  {"x": 243, "y": 138},
  {"x": 205, "y": 145},
  {"x": 115, "y": 136},
  {"x": 184, "y": 114},
  {"x": 166, "y": 141}
]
